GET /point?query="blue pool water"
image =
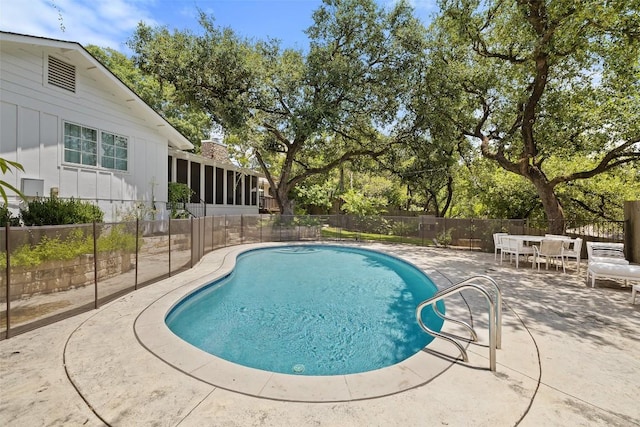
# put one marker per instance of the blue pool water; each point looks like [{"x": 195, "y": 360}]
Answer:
[{"x": 310, "y": 310}]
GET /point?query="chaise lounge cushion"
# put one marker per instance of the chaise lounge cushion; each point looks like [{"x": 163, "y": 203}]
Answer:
[
  {"x": 607, "y": 260},
  {"x": 606, "y": 252},
  {"x": 612, "y": 271}
]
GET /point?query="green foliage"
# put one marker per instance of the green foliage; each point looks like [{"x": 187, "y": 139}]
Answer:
[
  {"x": 55, "y": 211},
  {"x": 400, "y": 228},
  {"x": 314, "y": 195},
  {"x": 444, "y": 237},
  {"x": 356, "y": 203},
  {"x": 6, "y": 166},
  {"x": 300, "y": 114},
  {"x": 377, "y": 224},
  {"x": 179, "y": 194},
  {"x": 536, "y": 83},
  {"x": 76, "y": 243},
  {"x": 6, "y": 217},
  {"x": 191, "y": 122}
]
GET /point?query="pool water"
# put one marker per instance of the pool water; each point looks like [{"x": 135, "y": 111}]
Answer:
[{"x": 310, "y": 310}]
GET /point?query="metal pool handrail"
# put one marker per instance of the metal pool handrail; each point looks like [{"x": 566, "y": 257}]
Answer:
[{"x": 495, "y": 315}]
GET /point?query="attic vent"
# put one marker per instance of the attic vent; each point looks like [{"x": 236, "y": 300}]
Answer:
[{"x": 61, "y": 74}]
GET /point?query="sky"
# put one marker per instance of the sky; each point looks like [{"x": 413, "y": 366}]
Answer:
[{"x": 110, "y": 23}]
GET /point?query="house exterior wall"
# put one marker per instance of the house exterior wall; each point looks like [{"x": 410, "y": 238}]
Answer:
[{"x": 33, "y": 114}]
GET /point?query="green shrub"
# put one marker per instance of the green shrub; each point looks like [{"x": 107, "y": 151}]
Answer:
[
  {"x": 400, "y": 228},
  {"x": 6, "y": 217},
  {"x": 444, "y": 237},
  {"x": 178, "y": 194},
  {"x": 75, "y": 244},
  {"x": 55, "y": 211},
  {"x": 117, "y": 239}
]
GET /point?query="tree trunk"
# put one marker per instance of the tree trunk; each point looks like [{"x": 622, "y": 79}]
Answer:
[
  {"x": 282, "y": 197},
  {"x": 552, "y": 207}
]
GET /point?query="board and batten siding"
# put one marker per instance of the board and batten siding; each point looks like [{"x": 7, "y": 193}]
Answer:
[{"x": 32, "y": 122}]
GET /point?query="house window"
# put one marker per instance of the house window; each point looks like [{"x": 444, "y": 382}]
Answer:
[
  {"x": 81, "y": 146},
  {"x": 114, "y": 151}
]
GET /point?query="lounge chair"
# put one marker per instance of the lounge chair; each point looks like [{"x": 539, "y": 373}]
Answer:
[
  {"x": 608, "y": 252},
  {"x": 603, "y": 270},
  {"x": 606, "y": 261}
]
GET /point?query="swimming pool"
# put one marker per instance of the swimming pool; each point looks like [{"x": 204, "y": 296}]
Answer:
[{"x": 309, "y": 310}]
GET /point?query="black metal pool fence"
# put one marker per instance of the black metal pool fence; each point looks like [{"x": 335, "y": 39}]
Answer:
[{"x": 50, "y": 273}]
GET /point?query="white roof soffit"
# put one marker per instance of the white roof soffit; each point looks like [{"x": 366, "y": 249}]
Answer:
[{"x": 164, "y": 128}]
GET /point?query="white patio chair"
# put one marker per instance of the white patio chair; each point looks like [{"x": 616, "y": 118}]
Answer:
[
  {"x": 550, "y": 249},
  {"x": 565, "y": 239},
  {"x": 514, "y": 246},
  {"x": 574, "y": 252},
  {"x": 497, "y": 244}
]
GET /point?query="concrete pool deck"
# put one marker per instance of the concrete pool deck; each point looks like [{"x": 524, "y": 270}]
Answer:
[{"x": 570, "y": 356}]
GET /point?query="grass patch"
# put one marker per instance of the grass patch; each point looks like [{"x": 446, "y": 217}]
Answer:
[{"x": 333, "y": 233}]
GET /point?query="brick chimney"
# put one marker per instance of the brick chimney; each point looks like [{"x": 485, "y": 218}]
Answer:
[{"x": 214, "y": 149}]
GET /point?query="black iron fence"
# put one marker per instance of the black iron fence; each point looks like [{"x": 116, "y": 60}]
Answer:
[{"x": 53, "y": 272}]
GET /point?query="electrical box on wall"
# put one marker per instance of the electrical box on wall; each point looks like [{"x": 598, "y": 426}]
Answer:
[{"x": 32, "y": 187}]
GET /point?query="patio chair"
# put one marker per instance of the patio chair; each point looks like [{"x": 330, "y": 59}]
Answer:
[
  {"x": 550, "y": 249},
  {"x": 497, "y": 244},
  {"x": 575, "y": 252},
  {"x": 513, "y": 246}
]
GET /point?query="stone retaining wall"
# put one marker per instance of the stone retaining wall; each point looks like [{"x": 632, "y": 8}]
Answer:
[{"x": 56, "y": 276}]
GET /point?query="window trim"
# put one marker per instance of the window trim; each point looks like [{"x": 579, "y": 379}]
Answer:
[{"x": 99, "y": 154}]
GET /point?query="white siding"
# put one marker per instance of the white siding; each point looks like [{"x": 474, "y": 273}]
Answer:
[
  {"x": 104, "y": 185},
  {"x": 9, "y": 137},
  {"x": 33, "y": 114}
]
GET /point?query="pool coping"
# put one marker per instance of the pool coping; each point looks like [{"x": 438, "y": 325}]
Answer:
[{"x": 153, "y": 334}]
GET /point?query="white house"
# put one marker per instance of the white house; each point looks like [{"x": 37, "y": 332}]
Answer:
[{"x": 80, "y": 132}]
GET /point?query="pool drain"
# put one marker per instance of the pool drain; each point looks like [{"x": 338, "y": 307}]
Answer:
[{"x": 298, "y": 368}]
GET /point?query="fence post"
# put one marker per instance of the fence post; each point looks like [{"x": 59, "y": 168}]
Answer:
[
  {"x": 169, "y": 230},
  {"x": 135, "y": 283},
  {"x": 192, "y": 242},
  {"x": 95, "y": 264},
  {"x": 8, "y": 280},
  {"x": 472, "y": 235}
]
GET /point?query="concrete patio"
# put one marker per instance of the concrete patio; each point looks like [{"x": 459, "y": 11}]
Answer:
[{"x": 570, "y": 357}]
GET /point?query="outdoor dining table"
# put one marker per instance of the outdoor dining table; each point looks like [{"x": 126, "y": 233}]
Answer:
[{"x": 522, "y": 239}]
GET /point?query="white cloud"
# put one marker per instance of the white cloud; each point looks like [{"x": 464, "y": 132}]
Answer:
[{"x": 106, "y": 23}]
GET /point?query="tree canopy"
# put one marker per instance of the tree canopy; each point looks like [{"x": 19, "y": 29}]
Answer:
[
  {"x": 548, "y": 93},
  {"x": 301, "y": 114},
  {"x": 537, "y": 82},
  {"x": 194, "y": 123}
]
